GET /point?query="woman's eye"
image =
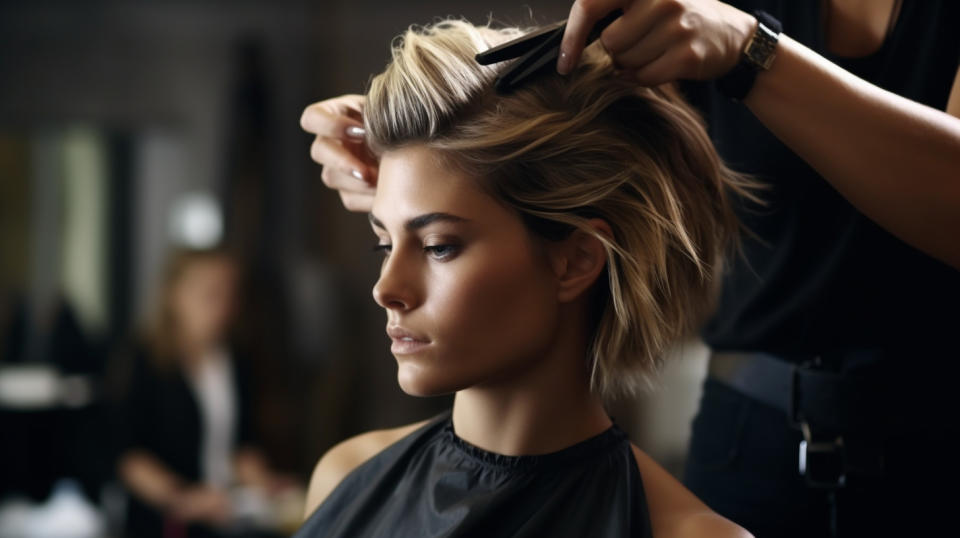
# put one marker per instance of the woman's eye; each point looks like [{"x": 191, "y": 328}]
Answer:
[
  {"x": 382, "y": 248},
  {"x": 441, "y": 252}
]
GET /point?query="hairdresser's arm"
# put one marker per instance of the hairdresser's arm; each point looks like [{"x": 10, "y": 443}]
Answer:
[
  {"x": 348, "y": 165},
  {"x": 896, "y": 160}
]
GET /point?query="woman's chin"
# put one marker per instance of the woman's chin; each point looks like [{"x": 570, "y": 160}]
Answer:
[{"x": 418, "y": 381}]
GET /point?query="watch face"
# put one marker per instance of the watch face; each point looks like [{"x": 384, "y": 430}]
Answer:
[{"x": 760, "y": 50}]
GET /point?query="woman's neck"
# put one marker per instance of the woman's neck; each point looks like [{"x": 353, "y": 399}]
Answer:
[
  {"x": 195, "y": 350},
  {"x": 526, "y": 424},
  {"x": 546, "y": 408}
]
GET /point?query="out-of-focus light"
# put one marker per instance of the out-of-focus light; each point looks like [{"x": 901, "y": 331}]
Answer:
[
  {"x": 196, "y": 221},
  {"x": 66, "y": 514},
  {"x": 41, "y": 386},
  {"x": 35, "y": 386}
]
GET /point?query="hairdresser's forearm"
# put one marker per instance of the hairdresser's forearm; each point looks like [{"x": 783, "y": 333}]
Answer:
[{"x": 897, "y": 161}]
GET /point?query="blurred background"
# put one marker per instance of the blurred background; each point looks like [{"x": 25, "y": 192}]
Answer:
[{"x": 134, "y": 133}]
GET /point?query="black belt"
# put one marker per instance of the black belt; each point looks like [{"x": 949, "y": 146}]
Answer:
[
  {"x": 892, "y": 397},
  {"x": 789, "y": 387},
  {"x": 844, "y": 418}
]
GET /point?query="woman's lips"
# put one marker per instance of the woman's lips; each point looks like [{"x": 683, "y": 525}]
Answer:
[{"x": 405, "y": 342}]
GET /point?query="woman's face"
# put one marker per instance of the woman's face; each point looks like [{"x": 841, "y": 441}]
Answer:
[
  {"x": 470, "y": 296},
  {"x": 203, "y": 300}
]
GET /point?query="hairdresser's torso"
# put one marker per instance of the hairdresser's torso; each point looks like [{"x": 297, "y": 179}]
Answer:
[
  {"x": 821, "y": 283},
  {"x": 820, "y": 278}
]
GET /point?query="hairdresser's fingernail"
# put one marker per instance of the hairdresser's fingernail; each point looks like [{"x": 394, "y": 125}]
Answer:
[
  {"x": 563, "y": 63},
  {"x": 356, "y": 132}
]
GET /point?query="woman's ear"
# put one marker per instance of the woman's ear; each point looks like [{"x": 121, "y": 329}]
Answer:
[{"x": 579, "y": 260}]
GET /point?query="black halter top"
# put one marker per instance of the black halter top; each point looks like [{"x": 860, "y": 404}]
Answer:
[{"x": 432, "y": 483}]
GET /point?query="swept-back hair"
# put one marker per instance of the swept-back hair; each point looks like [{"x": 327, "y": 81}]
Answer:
[{"x": 565, "y": 149}]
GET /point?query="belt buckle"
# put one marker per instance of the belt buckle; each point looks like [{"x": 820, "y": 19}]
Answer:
[
  {"x": 794, "y": 414},
  {"x": 822, "y": 461}
]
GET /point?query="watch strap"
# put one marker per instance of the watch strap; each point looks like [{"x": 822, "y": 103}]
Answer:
[{"x": 757, "y": 55}]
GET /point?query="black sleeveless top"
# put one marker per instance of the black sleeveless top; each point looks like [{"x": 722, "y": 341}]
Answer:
[
  {"x": 431, "y": 483},
  {"x": 821, "y": 277}
]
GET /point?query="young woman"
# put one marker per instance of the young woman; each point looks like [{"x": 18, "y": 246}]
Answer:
[
  {"x": 186, "y": 416},
  {"x": 541, "y": 249}
]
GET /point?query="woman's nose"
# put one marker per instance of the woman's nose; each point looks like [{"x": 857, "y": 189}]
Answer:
[{"x": 396, "y": 288}]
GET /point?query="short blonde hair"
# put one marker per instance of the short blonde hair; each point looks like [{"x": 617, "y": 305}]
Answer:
[{"x": 562, "y": 150}]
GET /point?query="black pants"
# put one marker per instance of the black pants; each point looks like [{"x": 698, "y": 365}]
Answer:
[{"x": 743, "y": 463}]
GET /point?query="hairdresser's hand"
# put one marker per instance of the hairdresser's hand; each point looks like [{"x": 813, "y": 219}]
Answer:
[
  {"x": 659, "y": 41},
  {"x": 348, "y": 165}
]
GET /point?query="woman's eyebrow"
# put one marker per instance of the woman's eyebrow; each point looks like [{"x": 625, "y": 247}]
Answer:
[{"x": 420, "y": 221}]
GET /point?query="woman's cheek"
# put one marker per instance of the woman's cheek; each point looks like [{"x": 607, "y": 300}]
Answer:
[{"x": 491, "y": 307}]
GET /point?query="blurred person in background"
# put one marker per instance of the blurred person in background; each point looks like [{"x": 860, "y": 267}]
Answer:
[{"x": 186, "y": 415}]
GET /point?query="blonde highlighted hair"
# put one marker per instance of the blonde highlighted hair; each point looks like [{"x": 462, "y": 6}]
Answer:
[{"x": 562, "y": 150}]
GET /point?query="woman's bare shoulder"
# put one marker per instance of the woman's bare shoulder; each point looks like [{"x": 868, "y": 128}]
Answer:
[
  {"x": 346, "y": 456},
  {"x": 711, "y": 524},
  {"x": 675, "y": 511}
]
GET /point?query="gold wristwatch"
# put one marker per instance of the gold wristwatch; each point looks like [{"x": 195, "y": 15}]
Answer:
[{"x": 758, "y": 54}]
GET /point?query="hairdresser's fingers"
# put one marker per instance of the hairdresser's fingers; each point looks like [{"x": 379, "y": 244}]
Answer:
[
  {"x": 584, "y": 14},
  {"x": 335, "y": 154},
  {"x": 345, "y": 182},
  {"x": 340, "y": 117},
  {"x": 667, "y": 67},
  {"x": 637, "y": 21},
  {"x": 358, "y": 202},
  {"x": 355, "y": 195},
  {"x": 701, "y": 41},
  {"x": 661, "y": 37}
]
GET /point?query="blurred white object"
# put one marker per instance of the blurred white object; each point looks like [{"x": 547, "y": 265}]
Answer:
[
  {"x": 212, "y": 384},
  {"x": 251, "y": 508},
  {"x": 15, "y": 517},
  {"x": 40, "y": 386},
  {"x": 666, "y": 413},
  {"x": 34, "y": 386},
  {"x": 196, "y": 221},
  {"x": 67, "y": 514},
  {"x": 76, "y": 390}
]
